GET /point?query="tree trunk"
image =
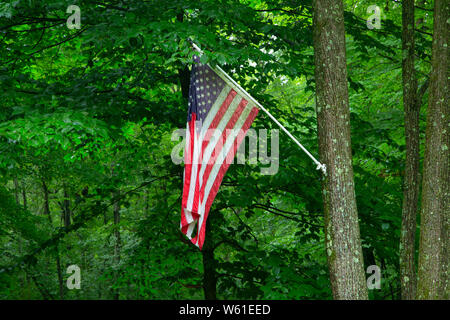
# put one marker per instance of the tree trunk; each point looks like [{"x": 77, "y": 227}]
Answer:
[
  {"x": 66, "y": 205},
  {"x": 59, "y": 271},
  {"x": 23, "y": 280},
  {"x": 16, "y": 190},
  {"x": 209, "y": 268},
  {"x": 343, "y": 244},
  {"x": 411, "y": 108},
  {"x": 24, "y": 195},
  {"x": 209, "y": 275},
  {"x": 434, "y": 238},
  {"x": 58, "y": 261},
  {"x": 117, "y": 244}
]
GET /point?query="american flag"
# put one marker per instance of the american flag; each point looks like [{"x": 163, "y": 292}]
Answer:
[{"x": 219, "y": 116}]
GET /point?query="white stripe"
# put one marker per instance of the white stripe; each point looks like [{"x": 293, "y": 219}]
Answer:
[
  {"x": 189, "y": 230},
  {"x": 194, "y": 170},
  {"x": 188, "y": 216}
]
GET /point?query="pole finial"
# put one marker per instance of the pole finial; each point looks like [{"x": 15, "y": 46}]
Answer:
[{"x": 322, "y": 167}]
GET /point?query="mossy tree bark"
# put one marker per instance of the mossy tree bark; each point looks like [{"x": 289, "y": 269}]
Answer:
[
  {"x": 434, "y": 237},
  {"x": 343, "y": 244},
  {"x": 411, "y": 107}
]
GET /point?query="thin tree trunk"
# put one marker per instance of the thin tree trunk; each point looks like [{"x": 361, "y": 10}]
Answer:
[
  {"x": 411, "y": 108},
  {"x": 23, "y": 280},
  {"x": 66, "y": 205},
  {"x": 434, "y": 238},
  {"x": 117, "y": 244},
  {"x": 343, "y": 244},
  {"x": 209, "y": 269},
  {"x": 16, "y": 190},
  {"x": 24, "y": 195},
  {"x": 58, "y": 262},
  {"x": 60, "y": 276}
]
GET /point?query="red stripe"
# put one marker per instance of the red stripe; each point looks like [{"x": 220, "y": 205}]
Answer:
[{"x": 222, "y": 171}]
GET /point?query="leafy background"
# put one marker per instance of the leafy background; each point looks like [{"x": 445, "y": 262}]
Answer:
[{"x": 87, "y": 117}]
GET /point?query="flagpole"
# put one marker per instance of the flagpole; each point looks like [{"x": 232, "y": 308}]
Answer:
[{"x": 218, "y": 68}]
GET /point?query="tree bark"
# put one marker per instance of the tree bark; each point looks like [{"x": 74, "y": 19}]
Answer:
[
  {"x": 117, "y": 244},
  {"x": 434, "y": 237},
  {"x": 58, "y": 261},
  {"x": 411, "y": 107},
  {"x": 16, "y": 190},
  {"x": 209, "y": 275},
  {"x": 209, "y": 268},
  {"x": 343, "y": 244},
  {"x": 66, "y": 209},
  {"x": 59, "y": 271},
  {"x": 24, "y": 195}
]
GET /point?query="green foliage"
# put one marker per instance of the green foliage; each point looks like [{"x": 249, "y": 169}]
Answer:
[{"x": 90, "y": 114}]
